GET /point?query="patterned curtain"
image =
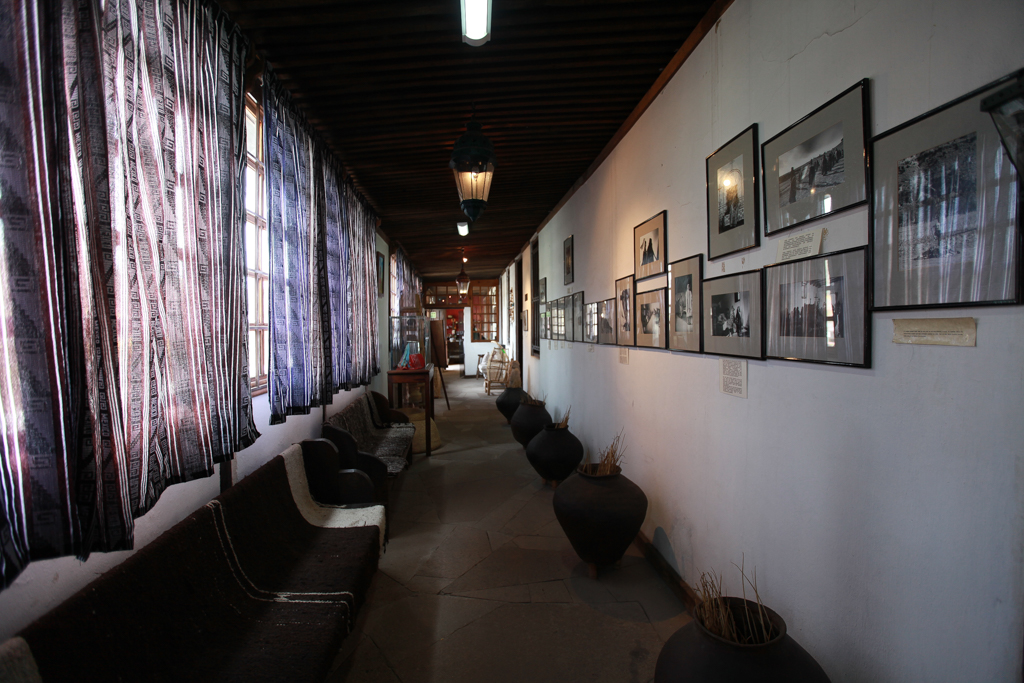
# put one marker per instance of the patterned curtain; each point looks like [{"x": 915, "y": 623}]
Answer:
[
  {"x": 361, "y": 225},
  {"x": 122, "y": 301},
  {"x": 409, "y": 282}
]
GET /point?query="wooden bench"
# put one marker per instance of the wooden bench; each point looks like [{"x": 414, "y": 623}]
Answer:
[
  {"x": 261, "y": 584},
  {"x": 359, "y": 431}
]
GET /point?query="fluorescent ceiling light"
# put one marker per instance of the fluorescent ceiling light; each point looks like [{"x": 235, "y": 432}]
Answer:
[
  {"x": 476, "y": 21},
  {"x": 463, "y": 228}
]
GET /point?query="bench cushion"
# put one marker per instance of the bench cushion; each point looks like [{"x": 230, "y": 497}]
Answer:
[{"x": 390, "y": 444}]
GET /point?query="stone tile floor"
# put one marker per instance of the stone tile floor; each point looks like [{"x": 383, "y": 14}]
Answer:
[{"x": 479, "y": 583}]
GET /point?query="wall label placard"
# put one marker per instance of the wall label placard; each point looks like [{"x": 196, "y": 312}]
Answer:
[
  {"x": 799, "y": 246},
  {"x": 732, "y": 377},
  {"x": 935, "y": 331}
]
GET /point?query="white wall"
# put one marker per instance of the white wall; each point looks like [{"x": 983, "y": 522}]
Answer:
[
  {"x": 43, "y": 585},
  {"x": 882, "y": 508},
  {"x": 380, "y": 381}
]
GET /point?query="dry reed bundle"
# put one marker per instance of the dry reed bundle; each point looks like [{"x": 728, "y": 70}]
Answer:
[
  {"x": 528, "y": 400},
  {"x": 716, "y": 616},
  {"x": 611, "y": 458},
  {"x": 564, "y": 422}
]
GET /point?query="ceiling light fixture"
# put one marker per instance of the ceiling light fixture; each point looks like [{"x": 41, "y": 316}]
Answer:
[
  {"x": 463, "y": 228},
  {"x": 462, "y": 281},
  {"x": 476, "y": 22},
  {"x": 473, "y": 163}
]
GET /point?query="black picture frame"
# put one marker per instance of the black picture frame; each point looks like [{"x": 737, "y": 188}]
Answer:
[
  {"x": 724, "y": 306},
  {"x": 526, "y": 320},
  {"x": 543, "y": 320},
  {"x": 624, "y": 314},
  {"x": 578, "y": 316},
  {"x": 570, "y": 318},
  {"x": 811, "y": 143},
  {"x": 606, "y": 321},
  {"x": 651, "y": 319},
  {"x": 542, "y": 289},
  {"x": 685, "y": 331},
  {"x": 816, "y": 309},
  {"x": 381, "y": 274},
  {"x": 568, "y": 263},
  {"x": 560, "y": 322},
  {"x": 590, "y": 323},
  {"x": 731, "y": 174},
  {"x": 960, "y": 248},
  {"x": 650, "y": 246}
]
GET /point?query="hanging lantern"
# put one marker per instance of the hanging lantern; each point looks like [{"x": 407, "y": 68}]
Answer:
[
  {"x": 473, "y": 164},
  {"x": 462, "y": 281}
]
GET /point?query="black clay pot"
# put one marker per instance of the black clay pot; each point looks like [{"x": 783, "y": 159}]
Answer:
[
  {"x": 555, "y": 452},
  {"x": 601, "y": 515},
  {"x": 508, "y": 402},
  {"x": 695, "y": 654},
  {"x": 528, "y": 420}
]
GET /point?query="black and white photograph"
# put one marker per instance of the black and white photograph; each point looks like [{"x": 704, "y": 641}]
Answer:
[
  {"x": 624, "y": 333},
  {"x": 817, "y": 166},
  {"x": 606, "y": 321},
  {"x": 812, "y": 167},
  {"x": 570, "y": 318},
  {"x": 816, "y": 309},
  {"x": 732, "y": 193},
  {"x": 684, "y": 304},
  {"x": 650, "y": 320},
  {"x": 542, "y": 289},
  {"x": 590, "y": 323},
  {"x": 732, "y": 312},
  {"x": 945, "y": 224},
  {"x": 568, "y": 266},
  {"x": 649, "y": 246},
  {"x": 542, "y": 319},
  {"x": 559, "y": 319},
  {"x": 578, "y": 316},
  {"x": 937, "y": 203}
]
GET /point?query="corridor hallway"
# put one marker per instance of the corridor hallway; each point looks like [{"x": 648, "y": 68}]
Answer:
[{"x": 479, "y": 583}]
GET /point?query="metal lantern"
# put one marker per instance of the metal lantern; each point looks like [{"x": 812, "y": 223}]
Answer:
[
  {"x": 473, "y": 164},
  {"x": 462, "y": 281}
]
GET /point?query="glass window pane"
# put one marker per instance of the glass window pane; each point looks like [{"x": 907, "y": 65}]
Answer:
[
  {"x": 265, "y": 339},
  {"x": 264, "y": 262},
  {"x": 263, "y": 194},
  {"x": 253, "y": 357},
  {"x": 252, "y": 304},
  {"x": 250, "y": 189},
  {"x": 264, "y": 300},
  {"x": 252, "y": 138},
  {"x": 250, "y": 245}
]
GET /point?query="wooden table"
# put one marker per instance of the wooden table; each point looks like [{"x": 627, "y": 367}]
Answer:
[{"x": 424, "y": 376}]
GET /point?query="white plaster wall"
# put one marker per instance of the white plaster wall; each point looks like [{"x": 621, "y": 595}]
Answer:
[
  {"x": 43, "y": 585},
  {"x": 882, "y": 508},
  {"x": 380, "y": 381}
]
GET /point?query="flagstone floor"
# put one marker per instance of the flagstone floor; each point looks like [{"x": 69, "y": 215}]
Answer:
[{"x": 479, "y": 583}]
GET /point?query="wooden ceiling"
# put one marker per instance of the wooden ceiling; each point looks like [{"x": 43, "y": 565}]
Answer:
[{"x": 391, "y": 85}]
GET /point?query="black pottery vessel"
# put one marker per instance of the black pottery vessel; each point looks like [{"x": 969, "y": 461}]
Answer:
[
  {"x": 601, "y": 514},
  {"x": 528, "y": 420},
  {"x": 695, "y": 655},
  {"x": 555, "y": 452},
  {"x": 508, "y": 402}
]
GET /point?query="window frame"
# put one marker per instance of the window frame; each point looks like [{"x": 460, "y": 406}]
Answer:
[{"x": 256, "y": 220}]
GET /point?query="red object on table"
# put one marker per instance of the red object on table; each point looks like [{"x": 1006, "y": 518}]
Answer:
[{"x": 416, "y": 361}]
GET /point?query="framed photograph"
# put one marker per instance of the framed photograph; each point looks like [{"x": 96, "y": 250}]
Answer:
[
  {"x": 945, "y": 228},
  {"x": 590, "y": 323},
  {"x": 382, "y": 274},
  {"x": 819, "y": 165},
  {"x": 816, "y": 309},
  {"x": 733, "y": 208},
  {"x": 526, "y": 320},
  {"x": 542, "y": 319},
  {"x": 567, "y": 262},
  {"x": 624, "y": 311},
  {"x": 560, "y": 319},
  {"x": 684, "y": 300},
  {"x": 649, "y": 246},
  {"x": 579, "y": 316},
  {"x": 651, "y": 317},
  {"x": 570, "y": 318},
  {"x": 606, "y": 321},
  {"x": 542, "y": 290},
  {"x": 732, "y": 315}
]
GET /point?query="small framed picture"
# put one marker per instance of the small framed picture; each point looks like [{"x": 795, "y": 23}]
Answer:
[
  {"x": 578, "y": 316},
  {"x": 567, "y": 262},
  {"x": 732, "y": 307},
  {"x": 526, "y": 320},
  {"x": 382, "y": 274},
  {"x": 816, "y": 309},
  {"x": 684, "y": 301},
  {"x": 542, "y": 319},
  {"x": 945, "y": 210},
  {"x": 542, "y": 290},
  {"x": 606, "y": 321},
  {"x": 733, "y": 213},
  {"x": 650, "y": 319},
  {"x": 624, "y": 311},
  {"x": 819, "y": 165},
  {"x": 558, "y": 320},
  {"x": 649, "y": 246},
  {"x": 590, "y": 323},
  {"x": 570, "y": 318}
]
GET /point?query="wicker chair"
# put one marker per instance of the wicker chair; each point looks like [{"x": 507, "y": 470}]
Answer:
[{"x": 497, "y": 372}]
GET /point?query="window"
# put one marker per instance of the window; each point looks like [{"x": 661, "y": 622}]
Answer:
[
  {"x": 441, "y": 296},
  {"x": 484, "y": 298},
  {"x": 257, "y": 248},
  {"x": 395, "y": 294}
]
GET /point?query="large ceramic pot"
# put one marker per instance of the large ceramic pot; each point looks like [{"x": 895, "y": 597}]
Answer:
[
  {"x": 508, "y": 402},
  {"x": 555, "y": 452},
  {"x": 694, "y": 654},
  {"x": 528, "y": 420},
  {"x": 601, "y": 514}
]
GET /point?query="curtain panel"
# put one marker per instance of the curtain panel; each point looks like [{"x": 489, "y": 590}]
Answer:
[
  {"x": 122, "y": 300},
  {"x": 323, "y": 272},
  {"x": 409, "y": 282}
]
